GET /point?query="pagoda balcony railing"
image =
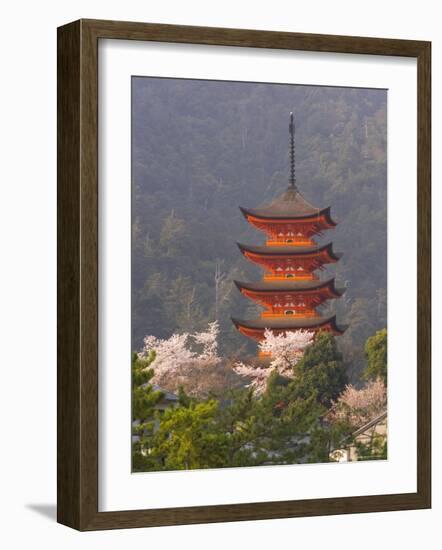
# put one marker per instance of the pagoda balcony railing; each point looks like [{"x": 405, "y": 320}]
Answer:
[
  {"x": 295, "y": 313},
  {"x": 290, "y": 241},
  {"x": 290, "y": 276}
]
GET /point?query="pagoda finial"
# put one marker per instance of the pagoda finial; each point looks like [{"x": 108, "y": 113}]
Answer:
[{"x": 292, "y": 184}]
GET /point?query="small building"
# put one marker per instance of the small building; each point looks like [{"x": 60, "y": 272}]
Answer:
[{"x": 169, "y": 399}]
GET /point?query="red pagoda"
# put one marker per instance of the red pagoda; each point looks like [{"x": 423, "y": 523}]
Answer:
[{"x": 290, "y": 290}]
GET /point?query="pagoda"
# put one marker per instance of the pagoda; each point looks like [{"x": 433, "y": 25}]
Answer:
[{"x": 290, "y": 291}]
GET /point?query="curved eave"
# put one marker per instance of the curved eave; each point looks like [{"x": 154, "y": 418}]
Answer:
[
  {"x": 285, "y": 287},
  {"x": 327, "y": 215},
  {"x": 261, "y": 324},
  {"x": 290, "y": 251},
  {"x": 269, "y": 216}
]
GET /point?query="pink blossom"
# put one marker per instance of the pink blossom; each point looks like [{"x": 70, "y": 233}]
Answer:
[
  {"x": 182, "y": 357},
  {"x": 258, "y": 375},
  {"x": 209, "y": 341},
  {"x": 285, "y": 350},
  {"x": 360, "y": 406}
]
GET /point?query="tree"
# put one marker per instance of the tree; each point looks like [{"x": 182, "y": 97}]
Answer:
[
  {"x": 376, "y": 353},
  {"x": 188, "y": 438},
  {"x": 324, "y": 438},
  {"x": 374, "y": 449},
  {"x": 173, "y": 234},
  {"x": 358, "y": 407},
  {"x": 258, "y": 376},
  {"x": 144, "y": 401},
  {"x": 181, "y": 304},
  {"x": 320, "y": 372},
  {"x": 285, "y": 350},
  {"x": 268, "y": 430},
  {"x": 188, "y": 360}
]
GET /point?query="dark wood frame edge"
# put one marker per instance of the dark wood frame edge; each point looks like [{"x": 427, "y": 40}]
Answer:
[{"x": 77, "y": 279}]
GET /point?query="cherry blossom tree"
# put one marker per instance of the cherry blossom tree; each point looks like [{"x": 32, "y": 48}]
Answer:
[
  {"x": 209, "y": 341},
  {"x": 360, "y": 406},
  {"x": 257, "y": 375},
  {"x": 169, "y": 355},
  {"x": 285, "y": 350},
  {"x": 182, "y": 359}
]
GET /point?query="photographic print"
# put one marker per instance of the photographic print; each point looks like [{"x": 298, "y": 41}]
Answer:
[{"x": 259, "y": 274}]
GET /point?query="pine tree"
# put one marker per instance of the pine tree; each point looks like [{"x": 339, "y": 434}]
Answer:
[
  {"x": 320, "y": 372},
  {"x": 144, "y": 400},
  {"x": 188, "y": 438},
  {"x": 376, "y": 353}
]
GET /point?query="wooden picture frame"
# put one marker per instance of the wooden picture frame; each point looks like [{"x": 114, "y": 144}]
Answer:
[{"x": 78, "y": 274}]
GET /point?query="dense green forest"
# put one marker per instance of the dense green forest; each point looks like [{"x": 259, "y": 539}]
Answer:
[{"x": 201, "y": 149}]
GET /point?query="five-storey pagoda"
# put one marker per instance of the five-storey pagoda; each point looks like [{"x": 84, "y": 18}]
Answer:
[{"x": 290, "y": 290}]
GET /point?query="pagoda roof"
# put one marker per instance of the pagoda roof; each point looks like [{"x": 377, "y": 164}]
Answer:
[
  {"x": 289, "y": 205},
  {"x": 289, "y": 323},
  {"x": 292, "y": 250},
  {"x": 290, "y": 285}
]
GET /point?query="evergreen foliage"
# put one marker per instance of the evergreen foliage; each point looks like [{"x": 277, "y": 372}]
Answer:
[
  {"x": 144, "y": 401},
  {"x": 375, "y": 449},
  {"x": 188, "y": 438},
  {"x": 321, "y": 371},
  {"x": 376, "y": 353}
]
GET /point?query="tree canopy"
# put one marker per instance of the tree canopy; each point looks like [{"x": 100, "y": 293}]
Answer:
[
  {"x": 321, "y": 371},
  {"x": 376, "y": 353}
]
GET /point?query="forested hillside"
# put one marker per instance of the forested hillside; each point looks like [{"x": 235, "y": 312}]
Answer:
[{"x": 201, "y": 149}]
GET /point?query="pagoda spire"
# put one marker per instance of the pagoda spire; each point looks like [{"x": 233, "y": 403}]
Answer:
[{"x": 292, "y": 184}]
